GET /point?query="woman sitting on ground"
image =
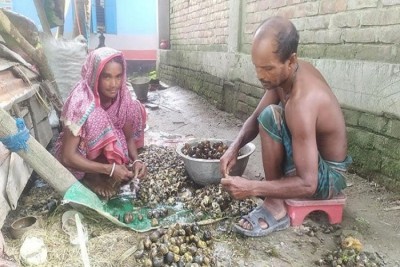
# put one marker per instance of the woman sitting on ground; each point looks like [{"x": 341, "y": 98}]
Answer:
[{"x": 102, "y": 126}]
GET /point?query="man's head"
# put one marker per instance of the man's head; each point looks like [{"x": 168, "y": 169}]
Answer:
[{"x": 274, "y": 51}]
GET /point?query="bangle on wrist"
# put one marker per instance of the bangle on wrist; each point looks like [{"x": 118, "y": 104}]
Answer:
[
  {"x": 112, "y": 170},
  {"x": 138, "y": 160}
]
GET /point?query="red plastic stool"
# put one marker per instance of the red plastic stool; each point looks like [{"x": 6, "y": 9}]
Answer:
[{"x": 298, "y": 209}]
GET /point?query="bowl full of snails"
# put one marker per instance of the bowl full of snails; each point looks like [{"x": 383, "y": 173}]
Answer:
[{"x": 202, "y": 159}]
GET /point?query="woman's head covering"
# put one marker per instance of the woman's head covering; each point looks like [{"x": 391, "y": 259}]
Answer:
[{"x": 84, "y": 97}]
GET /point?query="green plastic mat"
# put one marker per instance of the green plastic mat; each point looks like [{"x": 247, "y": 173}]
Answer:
[{"x": 115, "y": 209}]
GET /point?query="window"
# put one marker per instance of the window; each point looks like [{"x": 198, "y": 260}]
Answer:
[{"x": 104, "y": 16}]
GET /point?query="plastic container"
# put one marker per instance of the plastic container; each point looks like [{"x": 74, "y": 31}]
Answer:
[
  {"x": 141, "y": 87},
  {"x": 22, "y": 225}
]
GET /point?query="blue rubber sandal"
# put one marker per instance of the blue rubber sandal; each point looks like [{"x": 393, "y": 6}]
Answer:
[{"x": 262, "y": 213}]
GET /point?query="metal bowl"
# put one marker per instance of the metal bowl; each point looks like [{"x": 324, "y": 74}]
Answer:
[{"x": 207, "y": 171}]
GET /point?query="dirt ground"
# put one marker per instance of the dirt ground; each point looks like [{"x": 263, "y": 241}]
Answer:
[{"x": 371, "y": 213}]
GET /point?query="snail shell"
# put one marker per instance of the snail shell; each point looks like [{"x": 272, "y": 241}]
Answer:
[
  {"x": 169, "y": 257},
  {"x": 158, "y": 262},
  {"x": 154, "y": 222},
  {"x": 128, "y": 217},
  {"x": 154, "y": 236},
  {"x": 147, "y": 262}
]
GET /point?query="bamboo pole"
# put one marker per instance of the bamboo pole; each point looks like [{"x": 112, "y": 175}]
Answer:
[
  {"x": 39, "y": 158},
  {"x": 42, "y": 16}
]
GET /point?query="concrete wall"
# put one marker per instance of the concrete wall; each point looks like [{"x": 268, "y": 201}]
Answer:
[{"x": 355, "y": 44}]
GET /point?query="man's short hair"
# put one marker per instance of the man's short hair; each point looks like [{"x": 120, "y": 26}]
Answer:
[{"x": 286, "y": 35}]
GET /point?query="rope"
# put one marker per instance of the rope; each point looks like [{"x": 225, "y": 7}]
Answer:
[{"x": 17, "y": 141}]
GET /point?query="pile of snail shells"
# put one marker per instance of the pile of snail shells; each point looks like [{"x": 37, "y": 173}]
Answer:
[
  {"x": 165, "y": 178},
  {"x": 179, "y": 245},
  {"x": 217, "y": 203},
  {"x": 350, "y": 257},
  {"x": 205, "y": 150},
  {"x": 157, "y": 213},
  {"x": 167, "y": 183}
]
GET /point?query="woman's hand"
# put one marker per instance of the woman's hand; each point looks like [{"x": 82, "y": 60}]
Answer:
[
  {"x": 139, "y": 169},
  {"x": 121, "y": 173}
]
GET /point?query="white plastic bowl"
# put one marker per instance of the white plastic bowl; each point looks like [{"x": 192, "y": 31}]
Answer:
[{"x": 207, "y": 171}]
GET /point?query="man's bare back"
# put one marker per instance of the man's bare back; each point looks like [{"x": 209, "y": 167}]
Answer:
[{"x": 311, "y": 91}]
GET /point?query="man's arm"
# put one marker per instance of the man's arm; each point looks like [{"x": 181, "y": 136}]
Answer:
[{"x": 249, "y": 129}]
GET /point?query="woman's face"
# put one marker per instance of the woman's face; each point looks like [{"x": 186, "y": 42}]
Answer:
[{"x": 110, "y": 80}]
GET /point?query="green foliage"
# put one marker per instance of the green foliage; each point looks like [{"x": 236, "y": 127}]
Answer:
[{"x": 153, "y": 75}]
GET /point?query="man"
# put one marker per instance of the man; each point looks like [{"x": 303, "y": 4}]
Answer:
[{"x": 303, "y": 139}]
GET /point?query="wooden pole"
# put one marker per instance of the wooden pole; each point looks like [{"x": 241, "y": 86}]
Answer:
[
  {"x": 49, "y": 168},
  {"x": 42, "y": 16}
]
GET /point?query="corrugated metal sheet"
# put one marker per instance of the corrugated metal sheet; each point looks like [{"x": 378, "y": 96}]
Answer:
[{"x": 14, "y": 89}]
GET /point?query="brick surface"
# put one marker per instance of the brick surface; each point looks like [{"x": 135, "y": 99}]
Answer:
[
  {"x": 377, "y": 17},
  {"x": 390, "y": 167},
  {"x": 317, "y": 22},
  {"x": 345, "y": 20},
  {"x": 306, "y": 9},
  {"x": 307, "y": 37},
  {"x": 394, "y": 128},
  {"x": 197, "y": 24},
  {"x": 392, "y": 148},
  {"x": 390, "y": 2},
  {"x": 351, "y": 116},
  {"x": 360, "y": 4},
  {"x": 376, "y": 52},
  {"x": 329, "y": 6},
  {"x": 373, "y": 122},
  {"x": 328, "y": 36},
  {"x": 367, "y": 35},
  {"x": 364, "y": 160},
  {"x": 346, "y": 51},
  {"x": 388, "y": 34}
]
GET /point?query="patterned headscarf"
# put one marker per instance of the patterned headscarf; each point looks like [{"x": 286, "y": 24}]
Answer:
[
  {"x": 84, "y": 97},
  {"x": 101, "y": 130}
]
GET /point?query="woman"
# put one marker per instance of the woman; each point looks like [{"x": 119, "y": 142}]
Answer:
[{"x": 103, "y": 126}]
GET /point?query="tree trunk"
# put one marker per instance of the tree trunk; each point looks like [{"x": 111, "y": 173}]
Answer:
[{"x": 39, "y": 158}]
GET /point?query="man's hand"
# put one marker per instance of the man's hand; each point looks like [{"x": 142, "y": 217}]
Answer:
[
  {"x": 236, "y": 186},
  {"x": 227, "y": 161}
]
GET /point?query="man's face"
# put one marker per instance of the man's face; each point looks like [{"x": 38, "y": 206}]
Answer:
[
  {"x": 271, "y": 72},
  {"x": 110, "y": 80}
]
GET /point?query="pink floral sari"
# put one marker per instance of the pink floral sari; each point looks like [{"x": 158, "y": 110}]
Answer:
[{"x": 100, "y": 129}]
